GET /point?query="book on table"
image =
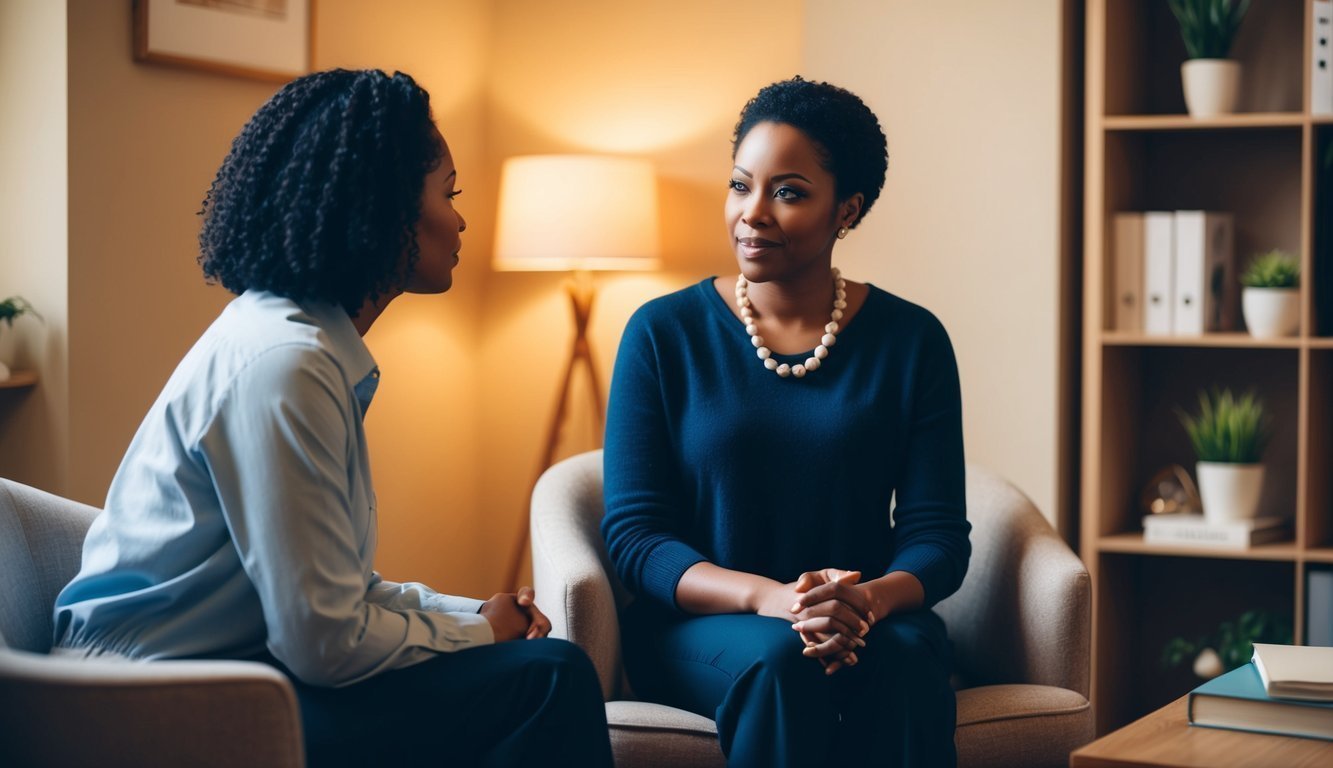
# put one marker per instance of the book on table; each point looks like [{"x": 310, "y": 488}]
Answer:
[
  {"x": 1193, "y": 530},
  {"x": 1236, "y": 701},
  {"x": 1295, "y": 671}
]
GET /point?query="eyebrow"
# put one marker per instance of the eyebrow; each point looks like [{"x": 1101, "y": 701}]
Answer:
[{"x": 779, "y": 177}]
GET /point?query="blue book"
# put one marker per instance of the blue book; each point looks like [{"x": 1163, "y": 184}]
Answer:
[{"x": 1236, "y": 700}]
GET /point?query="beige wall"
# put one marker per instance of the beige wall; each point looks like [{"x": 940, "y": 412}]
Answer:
[
  {"x": 144, "y": 143},
  {"x": 34, "y": 423},
  {"x": 969, "y": 222}
]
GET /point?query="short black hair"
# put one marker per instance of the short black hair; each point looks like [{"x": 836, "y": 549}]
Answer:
[
  {"x": 319, "y": 197},
  {"x": 851, "y": 143}
]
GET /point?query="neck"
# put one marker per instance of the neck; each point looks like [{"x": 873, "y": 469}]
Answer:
[
  {"x": 371, "y": 310},
  {"x": 804, "y": 296}
]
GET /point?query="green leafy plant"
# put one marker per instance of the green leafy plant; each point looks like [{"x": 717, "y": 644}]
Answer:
[
  {"x": 1227, "y": 429},
  {"x": 1233, "y": 641},
  {"x": 1274, "y": 269},
  {"x": 15, "y": 307},
  {"x": 1208, "y": 26}
]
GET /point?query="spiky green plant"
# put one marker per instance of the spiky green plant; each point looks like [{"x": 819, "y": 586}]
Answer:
[
  {"x": 15, "y": 307},
  {"x": 1274, "y": 269},
  {"x": 1208, "y": 26},
  {"x": 1227, "y": 429}
]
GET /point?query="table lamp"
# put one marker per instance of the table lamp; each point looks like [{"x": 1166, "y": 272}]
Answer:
[{"x": 577, "y": 214}]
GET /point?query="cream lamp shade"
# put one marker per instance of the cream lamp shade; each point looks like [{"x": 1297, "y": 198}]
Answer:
[{"x": 577, "y": 212}]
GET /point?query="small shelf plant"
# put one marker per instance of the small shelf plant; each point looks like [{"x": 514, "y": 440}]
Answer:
[
  {"x": 1229, "y": 434},
  {"x": 1270, "y": 297},
  {"x": 1211, "y": 80},
  {"x": 12, "y": 309}
]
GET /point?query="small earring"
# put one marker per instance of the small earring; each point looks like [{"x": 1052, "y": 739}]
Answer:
[{"x": 842, "y": 233}]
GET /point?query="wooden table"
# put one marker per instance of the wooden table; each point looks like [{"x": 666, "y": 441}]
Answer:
[{"x": 1165, "y": 738}]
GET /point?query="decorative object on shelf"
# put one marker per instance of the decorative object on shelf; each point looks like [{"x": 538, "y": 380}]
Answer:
[
  {"x": 261, "y": 39},
  {"x": 1229, "y": 435},
  {"x": 604, "y": 218},
  {"x": 1171, "y": 492},
  {"x": 1271, "y": 297},
  {"x": 11, "y": 309},
  {"x": 1230, "y": 646},
  {"x": 1211, "y": 80}
]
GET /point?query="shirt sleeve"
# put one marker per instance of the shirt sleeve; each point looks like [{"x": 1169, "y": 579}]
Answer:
[
  {"x": 278, "y": 451},
  {"x": 640, "y": 484},
  {"x": 930, "y": 519}
]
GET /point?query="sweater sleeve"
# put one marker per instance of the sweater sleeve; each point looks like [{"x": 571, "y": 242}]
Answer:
[
  {"x": 644, "y": 509},
  {"x": 930, "y": 519}
]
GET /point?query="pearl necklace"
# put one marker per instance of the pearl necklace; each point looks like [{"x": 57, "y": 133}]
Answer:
[{"x": 820, "y": 352}]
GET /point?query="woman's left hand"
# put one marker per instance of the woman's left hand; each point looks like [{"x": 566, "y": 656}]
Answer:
[{"x": 538, "y": 624}]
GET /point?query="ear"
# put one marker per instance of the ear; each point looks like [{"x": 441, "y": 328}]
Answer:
[{"x": 849, "y": 210}]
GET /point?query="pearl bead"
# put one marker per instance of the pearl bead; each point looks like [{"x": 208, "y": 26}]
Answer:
[
  {"x": 831, "y": 327},
  {"x": 744, "y": 301},
  {"x": 840, "y": 293},
  {"x": 836, "y": 314},
  {"x": 751, "y": 329},
  {"x": 763, "y": 353},
  {"x": 757, "y": 340},
  {"x": 812, "y": 364},
  {"x": 829, "y": 339},
  {"x": 798, "y": 370},
  {"x": 770, "y": 363},
  {"x": 821, "y": 351},
  {"x": 839, "y": 304},
  {"x": 783, "y": 370}
]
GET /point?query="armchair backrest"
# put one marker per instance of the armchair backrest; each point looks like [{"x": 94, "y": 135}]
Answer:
[
  {"x": 1022, "y": 614},
  {"x": 41, "y": 546}
]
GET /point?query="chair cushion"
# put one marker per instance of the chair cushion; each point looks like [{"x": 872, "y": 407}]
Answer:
[
  {"x": 1021, "y": 725},
  {"x": 645, "y": 735}
]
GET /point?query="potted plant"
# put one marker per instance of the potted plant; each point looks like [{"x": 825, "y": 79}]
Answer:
[
  {"x": 1211, "y": 80},
  {"x": 1229, "y": 435},
  {"x": 1230, "y": 646},
  {"x": 1271, "y": 299},
  {"x": 11, "y": 309}
]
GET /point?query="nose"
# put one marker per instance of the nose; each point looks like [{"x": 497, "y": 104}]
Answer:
[
  {"x": 756, "y": 212},
  {"x": 462, "y": 223}
]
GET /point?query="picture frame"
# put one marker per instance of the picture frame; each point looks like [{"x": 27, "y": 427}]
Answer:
[{"x": 260, "y": 39}]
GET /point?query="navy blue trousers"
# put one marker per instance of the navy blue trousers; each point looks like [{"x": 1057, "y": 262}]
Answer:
[
  {"x": 775, "y": 707},
  {"x": 524, "y": 702}
]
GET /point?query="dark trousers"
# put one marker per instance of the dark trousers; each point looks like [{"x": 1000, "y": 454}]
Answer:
[
  {"x": 775, "y": 707},
  {"x": 525, "y": 702}
]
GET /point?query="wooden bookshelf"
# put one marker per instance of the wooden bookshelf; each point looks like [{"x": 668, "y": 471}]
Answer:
[
  {"x": 19, "y": 380},
  {"x": 1265, "y": 166}
]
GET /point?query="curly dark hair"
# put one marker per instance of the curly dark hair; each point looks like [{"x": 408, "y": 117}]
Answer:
[
  {"x": 851, "y": 144},
  {"x": 319, "y": 197}
]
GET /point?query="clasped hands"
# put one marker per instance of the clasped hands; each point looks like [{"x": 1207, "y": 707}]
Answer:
[
  {"x": 831, "y": 611},
  {"x": 515, "y": 615}
]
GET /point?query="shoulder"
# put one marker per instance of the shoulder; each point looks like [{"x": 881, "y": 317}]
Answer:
[
  {"x": 907, "y": 319},
  {"x": 674, "y": 311}
]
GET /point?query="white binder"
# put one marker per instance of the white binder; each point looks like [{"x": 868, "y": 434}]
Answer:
[
  {"x": 1159, "y": 272},
  {"x": 1321, "y": 59},
  {"x": 1205, "y": 281}
]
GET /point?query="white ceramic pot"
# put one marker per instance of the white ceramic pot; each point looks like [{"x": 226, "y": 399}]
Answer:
[
  {"x": 1230, "y": 491},
  {"x": 1271, "y": 312},
  {"x": 1212, "y": 86}
]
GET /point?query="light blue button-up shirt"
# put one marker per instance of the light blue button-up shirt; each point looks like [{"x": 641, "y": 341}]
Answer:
[{"x": 243, "y": 515}]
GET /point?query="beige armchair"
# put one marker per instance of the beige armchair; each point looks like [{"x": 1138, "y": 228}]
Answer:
[
  {"x": 70, "y": 711},
  {"x": 1020, "y": 627}
]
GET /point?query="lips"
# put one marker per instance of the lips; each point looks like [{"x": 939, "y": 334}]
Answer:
[{"x": 757, "y": 242}]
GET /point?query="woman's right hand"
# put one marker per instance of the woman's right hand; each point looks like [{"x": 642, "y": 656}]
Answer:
[{"x": 831, "y": 629}]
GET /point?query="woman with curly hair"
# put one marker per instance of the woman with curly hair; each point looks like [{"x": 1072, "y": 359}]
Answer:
[
  {"x": 242, "y": 522},
  {"x": 760, "y": 426}
]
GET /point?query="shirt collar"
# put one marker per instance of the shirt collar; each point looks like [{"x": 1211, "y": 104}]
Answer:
[{"x": 349, "y": 347}]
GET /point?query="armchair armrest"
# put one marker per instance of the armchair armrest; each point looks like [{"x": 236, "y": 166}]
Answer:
[
  {"x": 64, "y": 711},
  {"x": 569, "y": 563}
]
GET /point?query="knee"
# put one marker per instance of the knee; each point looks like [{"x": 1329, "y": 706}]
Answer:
[
  {"x": 560, "y": 660},
  {"x": 906, "y": 648},
  {"x": 781, "y": 660}
]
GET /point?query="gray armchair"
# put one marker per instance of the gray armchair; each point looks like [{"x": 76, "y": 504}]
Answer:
[
  {"x": 71, "y": 711},
  {"x": 1020, "y": 627}
]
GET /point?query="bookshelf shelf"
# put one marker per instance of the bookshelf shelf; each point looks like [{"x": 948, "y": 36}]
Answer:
[
  {"x": 1265, "y": 165},
  {"x": 19, "y": 380},
  {"x": 1133, "y": 544},
  {"x": 1187, "y": 123}
]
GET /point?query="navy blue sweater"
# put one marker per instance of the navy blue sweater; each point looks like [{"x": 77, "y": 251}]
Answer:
[{"x": 710, "y": 456}]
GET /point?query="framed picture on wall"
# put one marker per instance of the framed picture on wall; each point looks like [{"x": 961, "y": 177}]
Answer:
[{"x": 264, "y": 39}]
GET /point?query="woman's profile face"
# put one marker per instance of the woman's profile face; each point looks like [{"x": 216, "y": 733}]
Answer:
[
  {"x": 438, "y": 229},
  {"x": 782, "y": 210}
]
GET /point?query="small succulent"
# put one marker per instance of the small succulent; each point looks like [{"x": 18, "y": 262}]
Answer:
[
  {"x": 1227, "y": 429},
  {"x": 15, "y": 307},
  {"x": 1208, "y": 26},
  {"x": 1274, "y": 269},
  {"x": 1230, "y": 646}
]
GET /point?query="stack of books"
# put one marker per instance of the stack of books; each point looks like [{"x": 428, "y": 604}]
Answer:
[
  {"x": 1191, "y": 530},
  {"x": 1286, "y": 690}
]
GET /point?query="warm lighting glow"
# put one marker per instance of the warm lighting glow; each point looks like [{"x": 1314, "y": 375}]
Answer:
[{"x": 577, "y": 212}]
